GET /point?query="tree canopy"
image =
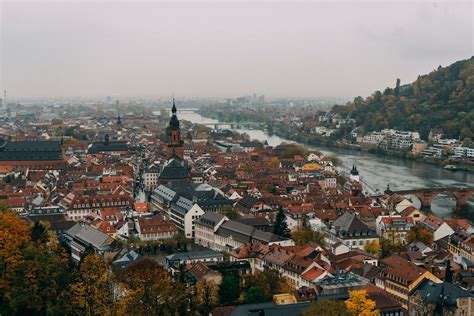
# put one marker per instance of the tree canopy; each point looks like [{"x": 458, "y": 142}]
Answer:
[
  {"x": 329, "y": 307},
  {"x": 359, "y": 304},
  {"x": 441, "y": 99},
  {"x": 420, "y": 233},
  {"x": 305, "y": 234}
]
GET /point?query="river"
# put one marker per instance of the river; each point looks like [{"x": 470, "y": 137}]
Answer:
[{"x": 376, "y": 170}]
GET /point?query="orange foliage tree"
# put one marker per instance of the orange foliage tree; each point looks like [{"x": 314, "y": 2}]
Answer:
[
  {"x": 14, "y": 236},
  {"x": 359, "y": 304}
]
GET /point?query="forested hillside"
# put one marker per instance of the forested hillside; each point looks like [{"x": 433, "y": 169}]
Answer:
[{"x": 442, "y": 99}]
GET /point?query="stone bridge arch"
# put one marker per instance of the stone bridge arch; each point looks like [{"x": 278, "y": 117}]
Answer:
[{"x": 426, "y": 196}]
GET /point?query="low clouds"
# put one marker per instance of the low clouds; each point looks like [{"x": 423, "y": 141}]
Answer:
[{"x": 226, "y": 49}]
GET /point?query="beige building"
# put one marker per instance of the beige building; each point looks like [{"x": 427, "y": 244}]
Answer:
[{"x": 400, "y": 277}]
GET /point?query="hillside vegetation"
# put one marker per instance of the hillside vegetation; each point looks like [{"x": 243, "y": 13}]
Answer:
[{"x": 442, "y": 99}]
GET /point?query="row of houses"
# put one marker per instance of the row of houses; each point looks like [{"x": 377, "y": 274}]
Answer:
[{"x": 217, "y": 232}]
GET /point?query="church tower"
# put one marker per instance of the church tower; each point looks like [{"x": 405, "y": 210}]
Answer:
[
  {"x": 354, "y": 176},
  {"x": 173, "y": 134}
]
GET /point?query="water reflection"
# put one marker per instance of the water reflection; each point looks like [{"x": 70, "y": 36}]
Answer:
[{"x": 376, "y": 170}]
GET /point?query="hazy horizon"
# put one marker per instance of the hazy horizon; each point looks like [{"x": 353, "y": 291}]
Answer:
[{"x": 209, "y": 49}]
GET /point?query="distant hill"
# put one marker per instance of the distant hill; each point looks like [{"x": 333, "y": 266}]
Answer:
[{"x": 442, "y": 99}]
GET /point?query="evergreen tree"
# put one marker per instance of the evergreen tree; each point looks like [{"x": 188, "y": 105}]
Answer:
[
  {"x": 229, "y": 289},
  {"x": 255, "y": 295},
  {"x": 280, "y": 227},
  {"x": 449, "y": 272},
  {"x": 39, "y": 233}
]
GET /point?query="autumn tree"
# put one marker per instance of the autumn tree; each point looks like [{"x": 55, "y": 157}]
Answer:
[
  {"x": 388, "y": 247},
  {"x": 305, "y": 234},
  {"x": 92, "y": 290},
  {"x": 207, "y": 295},
  {"x": 419, "y": 233},
  {"x": 291, "y": 150},
  {"x": 150, "y": 291},
  {"x": 373, "y": 247},
  {"x": 39, "y": 279},
  {"x": 14, "y": 237},
  {"x": 359, "y": 304},
  {"x": 326, "y": 307},
  {"x": 269, "y": 282},
  {"x": 230, "y": 212},
  {"x": 280, "y": 227},
  {"x": 34, "y": 267},
  {"x": 274, "y": 162}
]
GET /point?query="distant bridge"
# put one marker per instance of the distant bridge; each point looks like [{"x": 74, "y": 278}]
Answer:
[
  {"x": 427, "y": 195},
  {"x": 236, "y": 125},
  {"x": 187, "y": 110}
]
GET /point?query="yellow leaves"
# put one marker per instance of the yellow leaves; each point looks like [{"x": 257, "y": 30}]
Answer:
[
  {"x": 207, "y": 292},
  {"x": 14, "y": 233},
  {"x": 274, "y": 162},
  {"x": 359, "y": 304},
  {"x": 304, "y": 235},
  {"x": 373, "y": 247},
  {"x": 14, "y": 236},
  {"x": 92, "y": 290},
  {"x": 149, "y": 290},
  {"x": 419, "y": 233}
]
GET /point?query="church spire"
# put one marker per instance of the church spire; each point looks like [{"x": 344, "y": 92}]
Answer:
[
  {"x": 174, "y": 122},
  {"x": 173, "y": 109},
  {"x": 173, "y": 133}
]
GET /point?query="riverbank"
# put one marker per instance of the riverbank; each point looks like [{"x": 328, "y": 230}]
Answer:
[
  {"x": 376, "y": 170},
  {"x": 328, "y": 142}
]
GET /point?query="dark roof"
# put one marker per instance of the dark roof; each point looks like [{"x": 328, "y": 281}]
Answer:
[
  {"x": 126, "y": 257},
  {"x": 90, "y": 236},
  {"x": 194, "y": 255},
  {"x": 222, "y": 310},
  {"x": 97, "y": 147},
  {"x": 245, "y": 233},
  {"x": 248, "y": 201},
  {"x": 206, "y": 196},
  {"x": 238, "y": 231},
  {"x": 444, "y": 293},
  {"x": 384, "y": 302},
  {"x": 270, "y": 309},
  {"x": 30, "y": 150},
  {"x": 348, "y": 225},
  {"x": 251, "y": 144},
  {"x": 175, "y": 169},
  {"x": 57, "y": 222},
  {"x": 254, "y": 221},
  {"x": 210, "y": 219}
]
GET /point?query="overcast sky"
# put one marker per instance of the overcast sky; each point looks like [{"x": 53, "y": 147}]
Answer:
[{"x": 345, "y": 49}]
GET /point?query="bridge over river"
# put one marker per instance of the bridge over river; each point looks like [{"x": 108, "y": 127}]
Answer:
[
  {"x": 235, "y": 125},
  {"x": 426, "y": 195},
  {"x": 377, "y": 171}
]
